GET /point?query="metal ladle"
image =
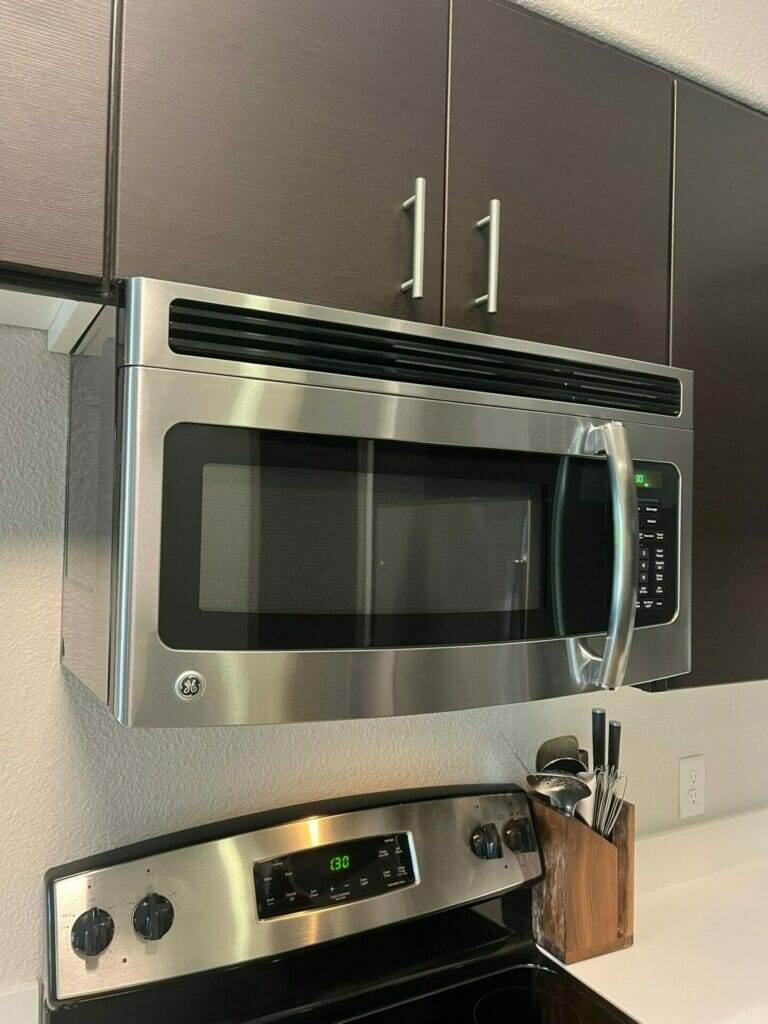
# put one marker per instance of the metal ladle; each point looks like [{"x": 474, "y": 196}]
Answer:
[{"x": 562, "y": 791}]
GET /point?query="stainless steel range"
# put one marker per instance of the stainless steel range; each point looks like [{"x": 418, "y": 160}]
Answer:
[
  {"x": 280, "y": 512},
  {"x": 396, "y": 907}
]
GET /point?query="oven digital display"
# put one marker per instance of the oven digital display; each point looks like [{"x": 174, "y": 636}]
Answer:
[{"x": 329, "y": 875}]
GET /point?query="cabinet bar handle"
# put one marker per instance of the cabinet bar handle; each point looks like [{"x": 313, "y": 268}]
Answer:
[
  {"x": 415, "y": 284},
  {"x": 492, "y": 222}
]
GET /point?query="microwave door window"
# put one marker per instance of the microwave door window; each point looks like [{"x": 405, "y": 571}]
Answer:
[
  {"x": 259, "y": 545},
  {"x": 271, "y": 540},
  {"x": 456, "y": 558},
  {"x": 285, "y": 541}
]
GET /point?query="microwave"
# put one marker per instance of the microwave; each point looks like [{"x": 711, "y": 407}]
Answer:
[{"x": 279, "y": 512}]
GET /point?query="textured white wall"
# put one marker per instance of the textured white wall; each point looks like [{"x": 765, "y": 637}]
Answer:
[
  {"x": 72, "y": 782},
  {"x": 720, "y": 43}
]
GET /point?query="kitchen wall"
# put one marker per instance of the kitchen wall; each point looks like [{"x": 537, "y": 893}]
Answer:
[{"x": 73, "y": 782}]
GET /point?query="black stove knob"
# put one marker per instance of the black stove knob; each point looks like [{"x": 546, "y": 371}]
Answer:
[
  {"x": 519, "y": 836},
  {"x": 92, "y": 932},
  {"x": 486, "y": 842},
  {"x": 153, "y": 917}
]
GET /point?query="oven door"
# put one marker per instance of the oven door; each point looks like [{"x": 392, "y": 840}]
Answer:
[{"x": 294, "y": 553}]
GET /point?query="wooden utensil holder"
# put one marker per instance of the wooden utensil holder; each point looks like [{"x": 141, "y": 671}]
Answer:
[{"x": 585, "y": 904}]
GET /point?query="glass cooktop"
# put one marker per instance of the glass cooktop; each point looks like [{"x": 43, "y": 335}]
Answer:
[{"x": 528, "y": 994}]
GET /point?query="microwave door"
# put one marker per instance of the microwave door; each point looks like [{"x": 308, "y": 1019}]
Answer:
[{"x": 318, "y": 553}]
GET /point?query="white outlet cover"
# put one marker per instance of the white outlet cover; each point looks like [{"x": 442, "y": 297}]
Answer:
[{"x": 692, "y": 786}]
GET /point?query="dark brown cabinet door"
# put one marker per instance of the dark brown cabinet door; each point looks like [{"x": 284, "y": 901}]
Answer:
[
  {"x": 720, "y": 330},
  {"x": 268, "y": 147},
  {"x": 574, "y": 140},
  {"x": 54, "y": 84}
]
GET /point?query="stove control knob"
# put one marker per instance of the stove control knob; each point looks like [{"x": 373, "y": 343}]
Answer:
[
  {"x": 153, "y": 917},
  {"x": 519, "y": 836},
  {"x": 92, "y": 932},
  {"x": 486, "y": 842}
]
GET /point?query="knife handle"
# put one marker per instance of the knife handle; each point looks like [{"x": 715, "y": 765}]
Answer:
[
  {"x": 598, "y": 738},
  {"x": 614, "y": 744}
]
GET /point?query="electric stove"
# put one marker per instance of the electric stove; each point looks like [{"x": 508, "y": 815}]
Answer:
[{"x": 395, "y": 907}]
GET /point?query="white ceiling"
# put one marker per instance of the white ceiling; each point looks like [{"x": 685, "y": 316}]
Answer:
[{"x": 720, "y": 43}]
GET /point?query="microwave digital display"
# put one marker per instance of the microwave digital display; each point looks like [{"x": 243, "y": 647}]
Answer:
[{"x": 650, "y": 478}]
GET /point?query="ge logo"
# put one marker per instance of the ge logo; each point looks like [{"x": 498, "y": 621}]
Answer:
[{"x": 189, "y": 686}]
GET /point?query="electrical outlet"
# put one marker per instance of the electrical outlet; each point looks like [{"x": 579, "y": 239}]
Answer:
[{"x": 692, "y": 786}]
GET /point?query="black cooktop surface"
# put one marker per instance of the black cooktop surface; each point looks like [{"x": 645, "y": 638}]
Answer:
[{"x": 524, "y": 994}]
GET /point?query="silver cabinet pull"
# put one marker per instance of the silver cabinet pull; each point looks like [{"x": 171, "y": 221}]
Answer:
[
  {"x": 415, "y": 284},
  {"x": 491, "y": 298}
]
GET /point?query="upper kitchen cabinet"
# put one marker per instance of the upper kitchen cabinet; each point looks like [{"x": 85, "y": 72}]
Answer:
[
  {"x": 573, "y": 139},
  {"x": 54, "y": 89},
  {"x": 269, "y": 148},
  {"x": 720, "y": 330}
]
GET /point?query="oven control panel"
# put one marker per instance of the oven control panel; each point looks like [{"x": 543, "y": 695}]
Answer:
[
  {"x": 657, "y": 490},
  {"x": 262, "y": 893},
  {"x": 329, "y": 875}
]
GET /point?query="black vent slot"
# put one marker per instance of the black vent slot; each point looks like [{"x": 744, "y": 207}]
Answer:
[{"x": 251, "y": 336}]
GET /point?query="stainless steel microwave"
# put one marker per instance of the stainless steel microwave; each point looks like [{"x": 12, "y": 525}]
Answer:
[{"x": 279, "y": 512}]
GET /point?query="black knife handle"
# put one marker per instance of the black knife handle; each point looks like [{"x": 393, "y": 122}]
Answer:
[
  {"x": 614, "y": 744},
  {"x": 598, "y": 738}
]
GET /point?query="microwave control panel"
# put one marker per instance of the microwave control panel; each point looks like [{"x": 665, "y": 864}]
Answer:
[{"x": 657, "y": 512}]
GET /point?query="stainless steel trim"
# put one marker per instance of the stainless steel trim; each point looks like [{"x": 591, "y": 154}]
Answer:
[
  {"x": 247, "y": 687},
  {"x": 612, "y": 438},
  {"x": 146, "y": 344},
  {"x": 211, "y": 886},
  {"x": 493, "y": 222},
  {"x": 418, "y": 201}
]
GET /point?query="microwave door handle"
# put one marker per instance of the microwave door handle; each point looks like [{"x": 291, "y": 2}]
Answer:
[{"x": 613, "y": 440}]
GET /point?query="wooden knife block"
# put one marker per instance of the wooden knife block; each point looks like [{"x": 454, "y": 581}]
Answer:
[{"x": 585, "y": 904}]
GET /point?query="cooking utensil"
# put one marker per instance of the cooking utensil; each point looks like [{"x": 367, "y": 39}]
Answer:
[
  {"x": 585, "y": 809},
  {"x": 566, "y": 765},
  {"x": 609, "y": 797},
  {"x": 552, "y": 750},
  {"x": 584, "y": 758},
  {"x": 614, "y": 744},
  {"x": 598, "y": 738},
  {"x": 563, "y": 792},
  {"x": 617, "y": 801}
]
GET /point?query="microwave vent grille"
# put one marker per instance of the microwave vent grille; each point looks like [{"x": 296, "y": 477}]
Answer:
[{"x": 271, "y": 339}]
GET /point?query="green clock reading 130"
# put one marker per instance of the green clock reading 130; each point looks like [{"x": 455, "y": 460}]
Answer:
[
  {"x": 340, "y": 862},
  {"x": 649, "y": 478}
]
